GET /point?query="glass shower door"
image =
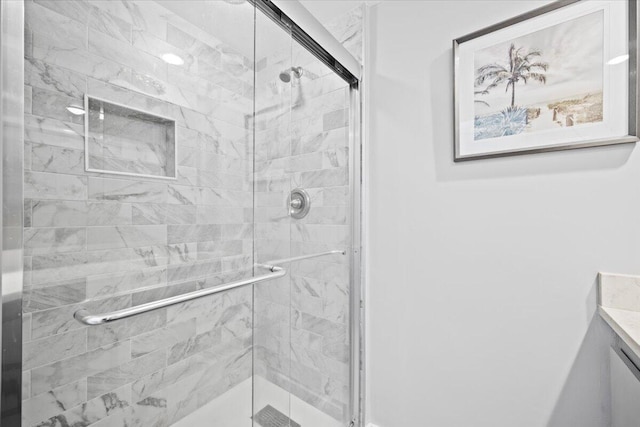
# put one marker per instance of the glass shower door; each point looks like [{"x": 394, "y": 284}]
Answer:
[
  {"x": 302, "y": 330},
  {"x": 173, "y": 147},
  {"x": 272, "y": 186},
  {"x": 138, "y": 156}
]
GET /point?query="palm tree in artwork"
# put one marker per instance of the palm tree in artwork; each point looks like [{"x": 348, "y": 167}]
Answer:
[{"x": 522, "y": 67}]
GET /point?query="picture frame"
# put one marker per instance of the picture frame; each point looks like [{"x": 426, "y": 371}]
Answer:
[{"x": 559, "y": 77}]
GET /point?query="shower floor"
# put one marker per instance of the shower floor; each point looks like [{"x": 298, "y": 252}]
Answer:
[{"x": 233, "y": 409}]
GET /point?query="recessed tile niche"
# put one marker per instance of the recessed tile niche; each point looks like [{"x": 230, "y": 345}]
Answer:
[{"x": 124, "y": 141}]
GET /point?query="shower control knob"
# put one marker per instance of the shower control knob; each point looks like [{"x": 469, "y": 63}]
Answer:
[{"x": 299, "y": 203}]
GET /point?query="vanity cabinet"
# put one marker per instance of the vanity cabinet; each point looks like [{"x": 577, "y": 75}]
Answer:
[{"x": 625, "y": 390}]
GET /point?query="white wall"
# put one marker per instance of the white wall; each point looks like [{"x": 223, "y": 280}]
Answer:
[{"x": 481, "y": 295}]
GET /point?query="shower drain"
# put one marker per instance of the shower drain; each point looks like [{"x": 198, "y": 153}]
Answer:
[{"x": 271, "y": 417}]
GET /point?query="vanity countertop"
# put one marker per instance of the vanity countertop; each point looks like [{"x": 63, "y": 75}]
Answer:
[{"x": 619, "y": 306}]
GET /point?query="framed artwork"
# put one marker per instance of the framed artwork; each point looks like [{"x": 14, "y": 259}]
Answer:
[{"x": 559, "y": 77}]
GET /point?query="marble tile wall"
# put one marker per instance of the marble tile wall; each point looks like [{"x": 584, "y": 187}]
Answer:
[
  {"x": 302, "y": 140},
  {"x": 348, "y": 30},
  {"x": 107, "y": 242}
]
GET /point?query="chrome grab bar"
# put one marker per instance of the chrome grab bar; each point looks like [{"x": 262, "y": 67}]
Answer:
[
  {"x": 270, "y": 264},
  {"x": 83, "y": 316}
]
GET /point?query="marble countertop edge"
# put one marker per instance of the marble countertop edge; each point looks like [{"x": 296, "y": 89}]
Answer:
[{"x": 625, "y": 323}]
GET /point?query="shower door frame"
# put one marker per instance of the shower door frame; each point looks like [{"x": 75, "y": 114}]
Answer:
[{"x": 12, "y": 147}]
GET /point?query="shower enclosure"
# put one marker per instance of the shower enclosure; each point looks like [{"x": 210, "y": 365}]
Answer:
[{"x": 181, "y": 217}]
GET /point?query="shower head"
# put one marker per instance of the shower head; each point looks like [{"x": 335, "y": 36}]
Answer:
[{"x": 285, "y": 76}]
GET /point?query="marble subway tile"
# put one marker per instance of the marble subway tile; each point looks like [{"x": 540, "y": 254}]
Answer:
[
  {"x": 47, "y": 240},
  {"x": 106, "y": 23},
  {"x": 99, "y": 238},
  {"x": 331, "y": 331},
  {"x": 80, "y": 60},
  {"x": 193, "y": 233},
  {"x": 336, "y": 215},
  {"x": 26, "y": 385},
  {"x": 53, "y": 132},
  {"x": 216, "y": 179},
  {"x": 193, "y": 345},
  {"x": 42, "y": 75},
  {"x": 225, "y": 198},
  {"x": 43, "y": 297},
  {"x": 236, "y": 231},
  {"x": 64, "y": 266},
  {"x": 182, "y": 253},
  {"x": 195, "y": 47},
  {"x": 202, "y": 269},
  {"x": 272, "y": 199},
  {"x": 125, "y": 373},
  {"x": 150, "y": 384},
  {"x": 27, "y": 99},
  {"x": 77, "y": 10},
  {"x": 162, "y": 338},
  {"x": 336, "y": 158},
  {"x": 47, "y": 405},
  {"x": 335, "y": 348},
  {"x": 47, "y": 350},
  {"x": 335, "y": 119},
  {"x": 48, "y": 213},
  {"x": 105, "y": 407},
  {"x": 321, "y": 141},
  {"x": 148, "y": 17},
  {"x": 54, "y": 105},
  {"x": 26, "y": 327},
  {"x": 182, "y": 194},
  {"x": 124, "y": 53},
  {"x": 224, "y": 79},
  {"x": 324, "y": 103},
  {"x": 57, "y": 27},
  {"x": 27, "y": 156},
  {"x": 127, "y": 190},
  {"x": 122, "y": 282},
  {"x": 306, "y": 162},
  {"x": 157, "y": 47},
  {"x": 323, "y": 178},
  {"x": 40, "y": 185},
  {"x": 28, "y": 213},
  {"x": 231, "y": 312},
  {"x": 27, "y": 270},
  {"x": 74, "y": 368},
  {"x": 218, "y": 249},
  {"x": 219, "y": 215},
  {"x": 335, "y": 196},
  {"x": 148, "y": 213},
  {"x": 238, "y": 262},
  {"x": 46, "y": 158}
]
